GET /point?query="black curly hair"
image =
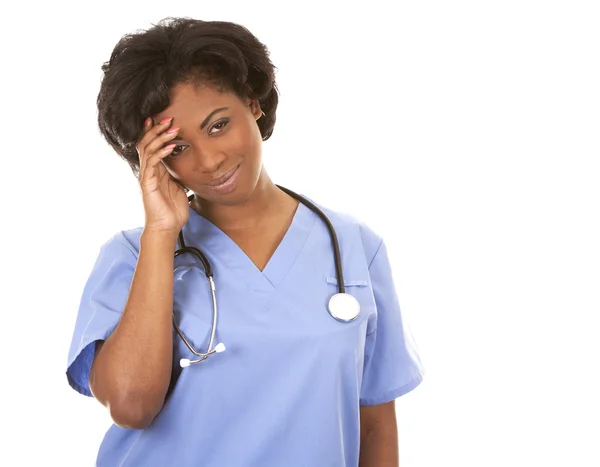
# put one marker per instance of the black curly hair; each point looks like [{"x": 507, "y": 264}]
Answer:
[{"x": 145, "y": 66}]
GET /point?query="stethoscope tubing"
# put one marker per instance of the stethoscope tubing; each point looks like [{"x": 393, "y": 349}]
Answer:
[
  {"x": 334, "y": 240},
  {"x": 183, "y": 248},
  {"x": 333, "y": 236}
]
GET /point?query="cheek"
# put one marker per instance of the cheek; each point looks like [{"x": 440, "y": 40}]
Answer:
[
  {"x": 177, "y": 169},
  {"x": 170, "y": 166},
  {"x": 247, "y": 142}
]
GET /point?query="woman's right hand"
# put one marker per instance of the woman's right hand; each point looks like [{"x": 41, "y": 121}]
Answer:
[{"x": 165, "y": 201}]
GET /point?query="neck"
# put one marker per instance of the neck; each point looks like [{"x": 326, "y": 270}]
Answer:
[{"x": 266, "y": 199}]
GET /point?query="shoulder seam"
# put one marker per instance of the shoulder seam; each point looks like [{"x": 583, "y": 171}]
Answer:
[
  {"x": 376, "y": 251},
  {"x": 128, "y": 245}
]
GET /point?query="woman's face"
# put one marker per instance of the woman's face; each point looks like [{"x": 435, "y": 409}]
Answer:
[{"x": 218, "y": 136}]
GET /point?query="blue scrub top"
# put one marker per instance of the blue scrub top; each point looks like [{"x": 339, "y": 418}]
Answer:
[{"x": 288, "y": 389}]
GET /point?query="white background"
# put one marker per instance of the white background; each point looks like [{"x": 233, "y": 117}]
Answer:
[{"x": 466, "y": 133}]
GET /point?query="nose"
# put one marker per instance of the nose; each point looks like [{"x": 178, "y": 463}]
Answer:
[{"x": 208, "y": 160}]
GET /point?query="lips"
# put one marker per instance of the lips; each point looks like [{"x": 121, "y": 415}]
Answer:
[{"x": 223, "y": 178}]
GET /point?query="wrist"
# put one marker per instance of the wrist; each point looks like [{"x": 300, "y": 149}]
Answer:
[{"x": 157, "y": 236}]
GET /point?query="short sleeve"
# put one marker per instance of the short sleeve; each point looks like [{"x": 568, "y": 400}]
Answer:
[
  {"x": 392, "y": 366},
  {"x": 102, "y": 302}
]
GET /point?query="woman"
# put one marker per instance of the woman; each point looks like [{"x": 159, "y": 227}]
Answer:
[{"x": 187, "y": 104}]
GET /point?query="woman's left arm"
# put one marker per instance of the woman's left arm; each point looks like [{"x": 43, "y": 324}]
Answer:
[{"x": 379, "y": 436}]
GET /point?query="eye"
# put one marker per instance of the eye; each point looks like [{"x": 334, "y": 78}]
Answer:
[
  {"x": 219, "y": 126},
  {"x": 176, "y": 152}
]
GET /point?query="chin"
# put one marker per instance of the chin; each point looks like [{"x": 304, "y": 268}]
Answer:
[{"x": 235, "y": 198}]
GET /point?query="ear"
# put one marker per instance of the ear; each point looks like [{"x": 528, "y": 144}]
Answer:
[{"x": 255, "y": 108}]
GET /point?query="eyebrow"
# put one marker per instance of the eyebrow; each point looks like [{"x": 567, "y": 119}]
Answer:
[
  {"x": 203, "y": 124},
  {"x": 207, "y": 119}
]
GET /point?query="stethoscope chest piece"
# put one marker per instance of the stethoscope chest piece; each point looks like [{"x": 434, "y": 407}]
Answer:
[{"x": 344, "y": 307}]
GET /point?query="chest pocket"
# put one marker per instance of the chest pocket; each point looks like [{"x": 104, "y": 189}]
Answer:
[
  {"x": 361, "y": 290},
  {"x": 348, "y": 283}
]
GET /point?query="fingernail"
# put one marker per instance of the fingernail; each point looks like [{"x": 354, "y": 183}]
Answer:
[
  {"x": 148, "y": 121},
  {"x": 173, "y": 130},
  {"x": 165, "y": 120}
]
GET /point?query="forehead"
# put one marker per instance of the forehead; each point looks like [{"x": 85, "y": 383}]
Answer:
[{"x": 192, "y": 102}]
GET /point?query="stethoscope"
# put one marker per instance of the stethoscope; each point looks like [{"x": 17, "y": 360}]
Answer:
[{"x": 342, "y": 306}]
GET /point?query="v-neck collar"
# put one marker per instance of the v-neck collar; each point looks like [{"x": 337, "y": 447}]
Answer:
[{"x": 203, "y": 234}]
